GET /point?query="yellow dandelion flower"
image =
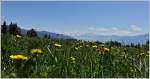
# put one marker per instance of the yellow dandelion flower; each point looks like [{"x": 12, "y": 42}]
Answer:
[
  {"x": 94, "y": 46},
  {"x": 36, "y": 51},
  {"x": 19, "y": 57},
  {"x": 106, "y": 50},
  {"x": 57, "y": 45},
  {"x": 18, "y": 36}
]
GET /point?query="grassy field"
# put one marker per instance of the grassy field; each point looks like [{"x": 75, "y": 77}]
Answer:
[{"x": 41, "y": 57}]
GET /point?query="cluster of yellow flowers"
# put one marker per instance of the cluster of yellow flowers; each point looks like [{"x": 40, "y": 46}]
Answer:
[
  {"x": 22, "y": 57},
  {"x": 19, "y": 57}
]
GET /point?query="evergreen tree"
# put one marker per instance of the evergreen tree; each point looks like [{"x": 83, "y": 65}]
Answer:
[
  {"x": 147, "y": 42},
  {"x": 45, "y": 36},
  {"x": 132, "y": 45},
  {"x": 49, "y": 36},
  {"x": 4, "y": 27},
  {"x": 31, "y": 33},
  {"x": 13, "y": 29},
  {"x": 113, "y": 43},
  {"x": 138, "y": 45},
  {"x": 98, "y": 42}
]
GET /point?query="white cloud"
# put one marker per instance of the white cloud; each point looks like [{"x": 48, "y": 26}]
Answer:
[
  {"x": 74, "y": 33},
  {"x": 122, "y": 33},
  {"x": 115, "y": 32},
  {"x": 114, "y": 28},
  {"x": 98, "y": 29},
  {"x": 110, "y": 31},
  {"x": 135, "y": 28}
]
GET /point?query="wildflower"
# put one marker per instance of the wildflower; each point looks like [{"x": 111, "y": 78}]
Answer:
[
  {"x": 76, "y": 48},
  {"x": 104, "y": 50},
  {"x": 36, "y": 51},
  {"x": 141, "y": 54},
  {"x": 57, "y": 45},
  {"x": 81, "y": 46},
  {"x": 94, "y": 46},
  {"x": 72, "y": 59},
  {"x": 18, "y": 36},
  {"x": 18, "y": 57}
]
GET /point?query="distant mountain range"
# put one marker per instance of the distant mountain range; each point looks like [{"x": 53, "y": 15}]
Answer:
[
  {"x": 53, "y": 35},
  {"x": 123, "y": 39},
  {"x": 91, "y": 37}
]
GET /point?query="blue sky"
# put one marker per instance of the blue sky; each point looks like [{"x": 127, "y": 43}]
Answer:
[{"x": 80, "y": 17}]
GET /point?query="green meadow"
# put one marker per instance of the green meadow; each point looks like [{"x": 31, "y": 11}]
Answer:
[{"x": 71, "y": 58}]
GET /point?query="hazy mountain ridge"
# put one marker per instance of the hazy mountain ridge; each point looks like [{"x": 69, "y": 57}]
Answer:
[
  {"x": 123, "y": 39},
  {"x": 91, "y": 37},
  {"x": 53, "y": 35}
]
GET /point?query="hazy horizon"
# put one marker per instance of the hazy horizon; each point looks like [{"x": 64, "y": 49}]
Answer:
[{"x": 121, "y": 18}]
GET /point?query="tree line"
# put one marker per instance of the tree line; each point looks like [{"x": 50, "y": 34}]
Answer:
[{"x": 13, "y": 29}]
